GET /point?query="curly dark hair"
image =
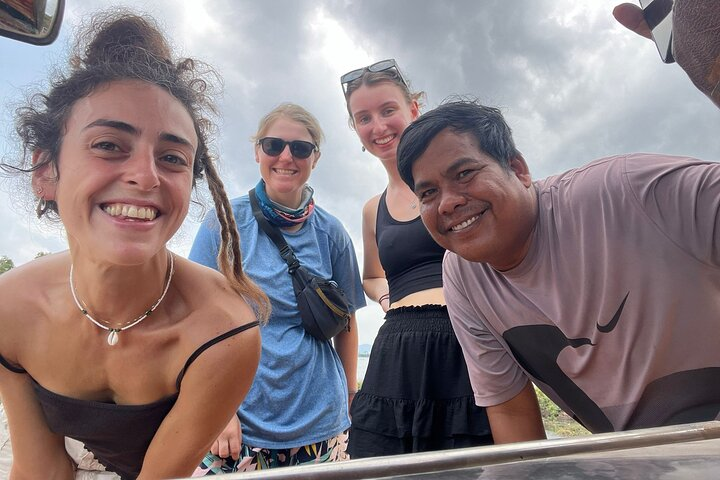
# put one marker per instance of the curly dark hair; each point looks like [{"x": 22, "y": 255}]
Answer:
[{"x": 121, "y": 45}]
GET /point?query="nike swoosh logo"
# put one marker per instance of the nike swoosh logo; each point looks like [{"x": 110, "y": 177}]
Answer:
[{"x": 614, "y": 321}]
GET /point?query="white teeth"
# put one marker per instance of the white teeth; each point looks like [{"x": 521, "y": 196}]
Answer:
[
  {"x": 384, "y": 140},
  {"x": 464, "y": 224},
  {"x": 283, "y": 171},
  {"x": 130, "y": 211}
]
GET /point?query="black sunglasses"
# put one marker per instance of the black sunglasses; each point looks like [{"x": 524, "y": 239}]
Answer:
[
  {"x": 659, "y": 17},
  {"x": 298, "y": 148},
  {"x": 381, "y": 66}
]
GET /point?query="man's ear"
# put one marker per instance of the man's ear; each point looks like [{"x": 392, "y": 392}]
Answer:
[
  {"x": 44, "y": 178},
  {"x": 520, "y": 169}
]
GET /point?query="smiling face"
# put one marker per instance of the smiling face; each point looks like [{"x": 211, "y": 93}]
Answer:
[
  {"x": 471, "y": 205},
  {"x": 124, "y": 172},
  {"x": 380, "y": 114},
  {"x": 285, "y": 175}
]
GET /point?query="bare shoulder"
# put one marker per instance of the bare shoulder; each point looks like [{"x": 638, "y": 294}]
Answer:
[
  {"x": 212, "y": 309},
  {"x": 210, "y": 299},
  {"x": 33, "y": 279},
  {"x": 370, "y": 208},
  {"x": 28, "y": 296}
]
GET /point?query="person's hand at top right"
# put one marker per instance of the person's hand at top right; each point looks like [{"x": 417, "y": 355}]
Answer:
[
  {"x": 631, "y": 17},
  {"x": 695, "y": 39}
]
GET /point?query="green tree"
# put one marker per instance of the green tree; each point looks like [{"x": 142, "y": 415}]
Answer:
[{"x": 6, "y": 264}]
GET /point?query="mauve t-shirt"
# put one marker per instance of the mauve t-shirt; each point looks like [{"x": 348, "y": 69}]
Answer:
[{"x": 615, "y": 311}]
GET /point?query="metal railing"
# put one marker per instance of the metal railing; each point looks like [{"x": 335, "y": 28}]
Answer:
[{"x": 417, "y": 463}]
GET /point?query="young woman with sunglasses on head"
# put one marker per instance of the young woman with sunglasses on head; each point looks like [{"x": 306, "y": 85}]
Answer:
[
  {"x": 118, "y": 342},
  {"x": 297, "y": 409},
  {"x": 416, "y": 395}
]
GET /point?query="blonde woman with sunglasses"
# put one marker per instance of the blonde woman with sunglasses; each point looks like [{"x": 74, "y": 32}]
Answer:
[
  {"x": 297, "y": 409},
  {"x": 416, "y": 395}
]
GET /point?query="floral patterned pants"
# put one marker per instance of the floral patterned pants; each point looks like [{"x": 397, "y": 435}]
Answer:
[{"x": 253, "y": 458}]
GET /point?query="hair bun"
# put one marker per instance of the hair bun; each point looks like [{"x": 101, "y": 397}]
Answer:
[{"x": 117, "y": 37}]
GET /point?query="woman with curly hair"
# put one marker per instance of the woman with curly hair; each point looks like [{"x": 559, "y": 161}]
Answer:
[{"x": 117, "y": 342}]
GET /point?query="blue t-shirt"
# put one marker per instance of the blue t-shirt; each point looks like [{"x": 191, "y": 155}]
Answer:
[{"x": 299, "y": 395}]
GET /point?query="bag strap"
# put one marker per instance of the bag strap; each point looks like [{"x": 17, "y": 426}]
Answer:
[{"x": 274, "y": 234}]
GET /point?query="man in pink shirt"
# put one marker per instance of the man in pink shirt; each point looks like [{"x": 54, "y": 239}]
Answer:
[{"x": 600, "y": 285}]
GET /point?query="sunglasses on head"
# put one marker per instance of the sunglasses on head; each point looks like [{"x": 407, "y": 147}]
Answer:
[
  {"x": 381, "y": 66},
  {"x": 298, "y": 148},
  {"x": 659, "y": 17}
]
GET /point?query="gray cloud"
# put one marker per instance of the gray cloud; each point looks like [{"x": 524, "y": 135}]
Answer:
[{"x": 573, "y": 84}]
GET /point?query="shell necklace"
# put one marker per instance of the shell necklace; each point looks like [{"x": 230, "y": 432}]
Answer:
[{"x": 113, "y": 335}]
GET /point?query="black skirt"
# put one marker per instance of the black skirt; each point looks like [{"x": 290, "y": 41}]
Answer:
[{"x": 416, "y": 395}]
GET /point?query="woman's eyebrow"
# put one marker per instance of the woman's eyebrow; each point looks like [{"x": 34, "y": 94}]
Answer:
[
  {"x": 169, "y": 137},
  {"x": 104, "y": 122},
  {"x": 126, "y": 127}
]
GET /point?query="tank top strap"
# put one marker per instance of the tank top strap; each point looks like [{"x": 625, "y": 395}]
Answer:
[
  {"x": 11, "y": 367},
  {"x": 382, "y": 213},
  {"x": 209, "y": 344},
  {"x": 382, "y": 203}
]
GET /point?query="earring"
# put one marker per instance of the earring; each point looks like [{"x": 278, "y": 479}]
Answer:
[
  {"x": 42, "y": 207},
  {"x": 363, "y": 148}
]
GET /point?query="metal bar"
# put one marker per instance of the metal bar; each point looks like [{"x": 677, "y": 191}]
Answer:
[{"x": 383, "y": 467}]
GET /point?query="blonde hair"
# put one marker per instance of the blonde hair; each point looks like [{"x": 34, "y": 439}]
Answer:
[{"x": 293, "y": 112}]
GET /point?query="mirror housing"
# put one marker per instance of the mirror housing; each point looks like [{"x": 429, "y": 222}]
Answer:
[{"x": 31, "y": 21}]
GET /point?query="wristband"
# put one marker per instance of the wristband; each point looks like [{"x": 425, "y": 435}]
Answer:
[{"x": 384, "y": 297}]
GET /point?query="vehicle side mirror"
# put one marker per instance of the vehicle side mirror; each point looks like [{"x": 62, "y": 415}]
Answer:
[{"x": 31, "y": 21}]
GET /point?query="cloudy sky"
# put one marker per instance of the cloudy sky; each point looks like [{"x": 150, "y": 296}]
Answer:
[{"x": 573, "y": 84}]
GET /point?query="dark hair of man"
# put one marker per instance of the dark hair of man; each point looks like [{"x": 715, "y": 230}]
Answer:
[
  {"x": 486, "y": 124},
  {"x": 120, "y": 45}
]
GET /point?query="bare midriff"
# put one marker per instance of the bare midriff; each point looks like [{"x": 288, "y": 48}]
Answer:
[{"x": 433, "y": 296}]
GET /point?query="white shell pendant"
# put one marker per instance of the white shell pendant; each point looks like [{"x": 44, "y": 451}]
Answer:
[{"x": 113, "y": 337}]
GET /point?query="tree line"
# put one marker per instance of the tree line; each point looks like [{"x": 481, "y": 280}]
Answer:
[{"x": 6, "y": 263}]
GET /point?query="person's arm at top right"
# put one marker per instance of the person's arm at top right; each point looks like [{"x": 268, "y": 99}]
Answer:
[
  {"x": 374, "y": 282},
  {"x": 694, "y": 39}
]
